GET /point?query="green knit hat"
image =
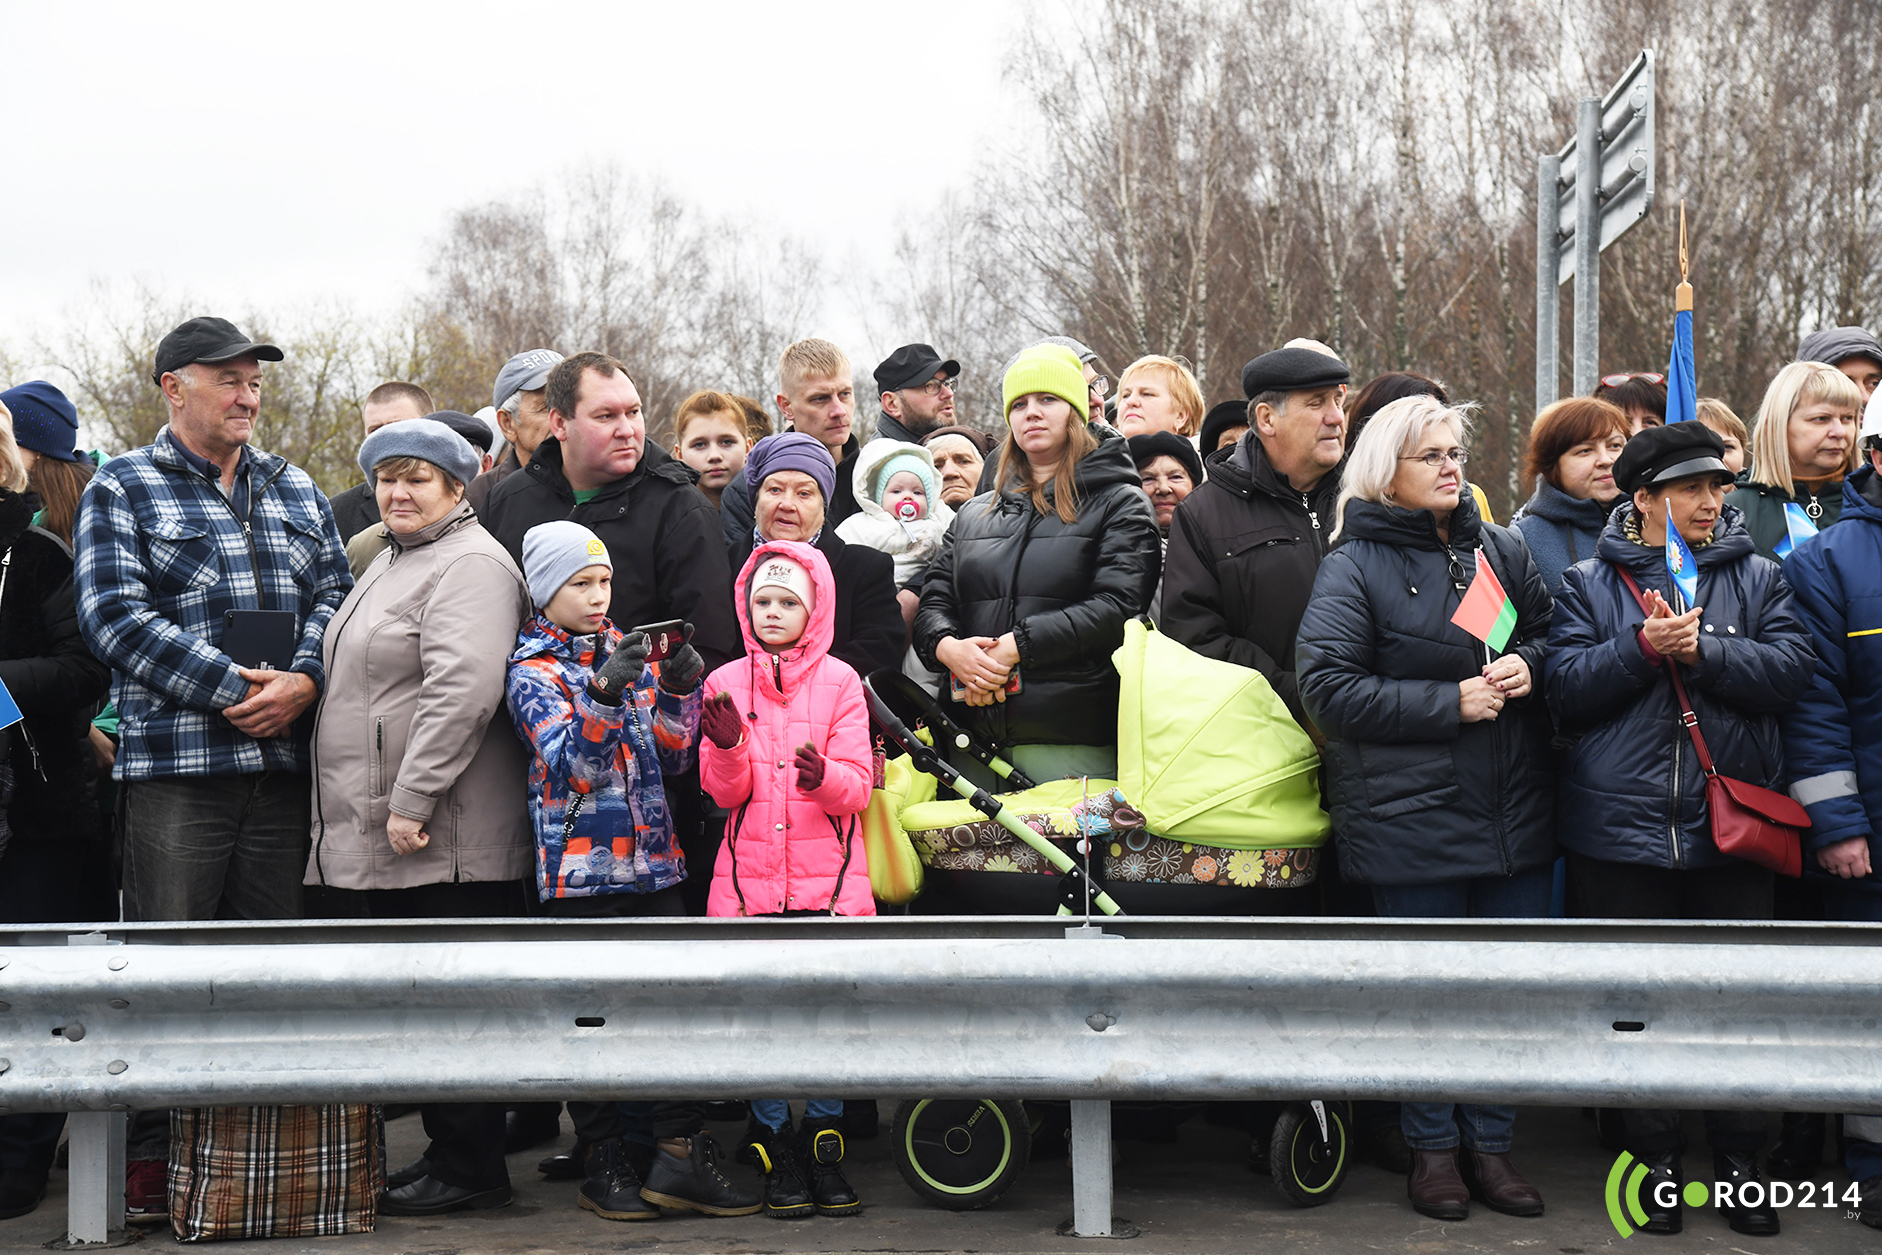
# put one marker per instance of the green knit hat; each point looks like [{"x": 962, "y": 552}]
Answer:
[{"x": 1047, "y": 368}]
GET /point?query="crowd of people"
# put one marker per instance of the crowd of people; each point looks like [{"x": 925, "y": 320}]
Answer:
[{"x": 539, "y": 665}]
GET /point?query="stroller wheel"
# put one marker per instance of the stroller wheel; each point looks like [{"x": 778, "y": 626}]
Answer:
[
  {"x": 1308, "y": 1170},
  {"x": 960, "y": 1153}
]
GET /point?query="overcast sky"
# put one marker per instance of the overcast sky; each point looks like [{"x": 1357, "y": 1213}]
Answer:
[{"x": 257, "y": 155}]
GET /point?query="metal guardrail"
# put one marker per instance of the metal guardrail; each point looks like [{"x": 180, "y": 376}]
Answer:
[{"x": 1756, "y": 1016}]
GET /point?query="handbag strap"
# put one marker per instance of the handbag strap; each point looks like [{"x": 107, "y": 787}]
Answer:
[{"x": 1686, "y": 715}]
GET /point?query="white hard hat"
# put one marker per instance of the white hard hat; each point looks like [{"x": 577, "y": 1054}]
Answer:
[{"x": 1871, "y": 420}]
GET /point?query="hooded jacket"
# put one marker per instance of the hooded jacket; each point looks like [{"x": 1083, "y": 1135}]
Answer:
[
  {"x": 661, "y": 533},
  {"x": 911, "y": 545},
  {"x": 1419, "y": 796},
  {"x": 1062, "y": 589},
  {"x": 412, "y": 719},
  {"x": 1560, "y": 530},
  {"x": 1763, "y": 508},
  {"x": 1631, "y": 790},
  {"x": 784, "y": 849},
  {"x": 1833, "y": 735},
  {"x": 597, "y": 799},
  {"x": 1244, "y": 549}
]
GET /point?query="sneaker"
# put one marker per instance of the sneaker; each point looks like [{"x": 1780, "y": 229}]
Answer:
[
  {"x": 697, "y": 1183},
  {"x": 830, "y": 1190},
  {"x": 787, "y": 1186},
  {"x": 1741, "y": 1169},
  {"x": 612, "y": 1190},
  {"x": 147, "y": 1191}
]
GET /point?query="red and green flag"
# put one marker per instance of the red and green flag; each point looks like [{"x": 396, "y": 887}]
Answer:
[{"x": 1486, "y": 612}]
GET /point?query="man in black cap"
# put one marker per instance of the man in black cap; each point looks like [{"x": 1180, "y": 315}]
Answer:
[
  {"x": 1245, "y": 546},
  {"x": 207, "y": 573},
  {"x": 916, "y": 389}
]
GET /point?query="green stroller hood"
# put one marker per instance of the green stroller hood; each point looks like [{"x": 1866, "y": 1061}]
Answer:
[{"x": 1208, "y": 753}]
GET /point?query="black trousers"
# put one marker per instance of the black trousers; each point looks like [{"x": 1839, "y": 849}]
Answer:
[
  {"x": 466, "y": 1137},
  {"x": 640, "y": 1120},
  {"x": 1736, "y": 890}
]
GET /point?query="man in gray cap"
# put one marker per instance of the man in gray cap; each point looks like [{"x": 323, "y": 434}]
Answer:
[
  {"x": 522, "y": 414},
  {"x": 1851, "y": 350},
  {"x": 355, "y": 509}
]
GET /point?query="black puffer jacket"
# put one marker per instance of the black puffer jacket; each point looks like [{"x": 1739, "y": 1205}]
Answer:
[
  {"x": 1418, "y": 795},
  {"x": 1631, "y": 790},
  {"x": 53, "y": 677},
  {"x": 1063, "y": 589},
  {"x": 1244, "y": 549}
]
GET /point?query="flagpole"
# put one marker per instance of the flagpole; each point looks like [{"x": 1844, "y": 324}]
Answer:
[{"x": 1682, "y": 295}]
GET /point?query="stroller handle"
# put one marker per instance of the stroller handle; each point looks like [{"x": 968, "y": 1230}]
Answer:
[{"x": 889, "y": 688}]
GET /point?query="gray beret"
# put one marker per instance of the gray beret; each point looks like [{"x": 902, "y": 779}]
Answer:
[
  {"x": 425, "y": 438},
  {"x": 1832, "y": 344},
  {"x": 1292, "y": 370}
]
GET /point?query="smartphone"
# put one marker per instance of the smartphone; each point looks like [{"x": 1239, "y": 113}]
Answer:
[
  {"x": 263, "y": 639},
  {"x": 958, "y": 691},
  {"x": 667, "y": 637}
]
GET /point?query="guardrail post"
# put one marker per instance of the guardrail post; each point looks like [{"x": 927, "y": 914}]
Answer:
[
  {"x": 1091, "y": 1139},
  {"x": 94, "y": 1201}
]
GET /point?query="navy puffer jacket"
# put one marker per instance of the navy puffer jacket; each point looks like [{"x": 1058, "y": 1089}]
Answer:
[
  {"x": 1631, "y": 790},
  {"x": 1419, "y": 796}
]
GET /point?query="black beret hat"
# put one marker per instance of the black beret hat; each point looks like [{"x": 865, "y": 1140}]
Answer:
[
  {"x": 1659, "y": 455},
  {"x": 1149, "y": 447},
  {"x": 1292, "y": 370},
  {"x": 1219, "y": 419}
]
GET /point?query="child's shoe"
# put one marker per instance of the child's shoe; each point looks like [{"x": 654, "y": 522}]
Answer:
[
  {"x": 787, "y": 1189},
  {"x": 829, "y": 1190},
  {"x": 612, "y": 1190},
  {"x": 697, "y": 1183}
]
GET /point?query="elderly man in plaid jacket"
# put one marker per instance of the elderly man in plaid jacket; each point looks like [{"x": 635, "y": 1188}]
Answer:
[{"x": 191, "y": 549}]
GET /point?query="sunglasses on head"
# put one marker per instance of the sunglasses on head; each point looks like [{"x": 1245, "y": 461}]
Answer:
[{"x": 1615, "y": 381}]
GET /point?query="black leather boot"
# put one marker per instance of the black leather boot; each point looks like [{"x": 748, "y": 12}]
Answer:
[
  {"x": 830, "y": 1190},
  {"x": 1740, "y": 1169},
  {"x": 787, "y": 1186},
  {"x": 612, "y": 1190},
  {"x": 697, "y": 1182},
  {"x": 1662, "y": 1166},
  {"x": 1799, "y": 1150}
]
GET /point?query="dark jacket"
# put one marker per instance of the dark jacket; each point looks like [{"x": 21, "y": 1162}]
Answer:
[
  {"x": 1631, "y": 789},
  {"x": 479, "y": 490},
  {"x": 738, "y": 520},
  {"x": 1560, "y": 530},
  {"x": 1763, "y": 508},
  {"x": 51, "y": 675},
  {"x": 1833, "y": 735},
  {"x": 661, "y": 533},
  {"x": 1418, "y": 795},
  {"x": 354, "y": 510},
  {"x": 1244, "y": 549},
  {"x": 1063, "y": 589},
  {"x": 868, "y": 625}
]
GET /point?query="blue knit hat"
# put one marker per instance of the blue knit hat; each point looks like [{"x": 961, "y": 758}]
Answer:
[
  {"x": 425, "y": 438},
  {"x": 791, "y": 451},
  {"x": 915, "y": 460},
  {"x": 43, "y": 419}
]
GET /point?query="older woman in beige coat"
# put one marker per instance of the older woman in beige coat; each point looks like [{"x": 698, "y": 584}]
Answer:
[{"x": 419, "y": 806}]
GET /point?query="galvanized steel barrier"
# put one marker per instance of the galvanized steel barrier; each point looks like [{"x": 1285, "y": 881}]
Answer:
[{"x": 1758, "y": 1016}]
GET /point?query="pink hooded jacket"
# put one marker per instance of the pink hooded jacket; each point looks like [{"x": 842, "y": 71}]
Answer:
[{"x": 786, "y": 850}]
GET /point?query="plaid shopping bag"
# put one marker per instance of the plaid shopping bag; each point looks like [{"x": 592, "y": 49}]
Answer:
[{"x": 275, "y": 1172}]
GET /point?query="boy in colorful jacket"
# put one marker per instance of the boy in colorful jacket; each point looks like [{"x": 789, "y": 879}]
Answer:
[{"x": 604, "y": 727}]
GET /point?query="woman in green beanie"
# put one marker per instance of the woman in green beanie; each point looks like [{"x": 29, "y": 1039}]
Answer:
[{"x": 1028, "y": 597}]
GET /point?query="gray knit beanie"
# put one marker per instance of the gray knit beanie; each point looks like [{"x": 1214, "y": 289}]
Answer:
[{"x": 554, "y": 552}]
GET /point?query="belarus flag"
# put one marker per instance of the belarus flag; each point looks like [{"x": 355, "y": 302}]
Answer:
[{"x": 1486, "y": 612}]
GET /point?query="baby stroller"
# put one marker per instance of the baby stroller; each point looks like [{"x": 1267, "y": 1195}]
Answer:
[{"x": 964, "y": 1153}]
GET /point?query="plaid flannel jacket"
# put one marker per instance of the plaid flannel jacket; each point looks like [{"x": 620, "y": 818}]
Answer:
[{"x": 161, "y": 557}]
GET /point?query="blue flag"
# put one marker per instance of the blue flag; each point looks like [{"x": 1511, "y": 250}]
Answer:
[
  {"x": 1681, "y": 568},
  {"x": 1682, "y": 388},
  {"x": 1797, "y": 529},
  {"x": 9, "y": 709}
]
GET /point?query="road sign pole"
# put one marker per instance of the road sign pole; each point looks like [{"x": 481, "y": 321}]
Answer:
[
  {"x": 1588, "y": 247},
  {"x": 1548, "y": 280}
]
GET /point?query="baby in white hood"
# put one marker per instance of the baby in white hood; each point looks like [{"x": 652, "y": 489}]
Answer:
[{"x": 900, "y": 511}]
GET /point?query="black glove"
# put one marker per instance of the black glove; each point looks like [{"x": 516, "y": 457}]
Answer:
[
  {"x": 719, "y": 720},
  {"x": 621, "y": 670},
  {"x": 809, "y": 768},
  {"x": 679, "y": 675}
]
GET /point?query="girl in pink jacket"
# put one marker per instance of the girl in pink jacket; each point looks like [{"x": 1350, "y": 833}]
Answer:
[{"x": 786, "y": 750}]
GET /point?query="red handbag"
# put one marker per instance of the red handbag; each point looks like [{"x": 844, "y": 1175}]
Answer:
[{"x": 1748, "y": 822}]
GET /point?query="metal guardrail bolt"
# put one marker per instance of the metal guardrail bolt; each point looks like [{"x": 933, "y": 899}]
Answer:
[
  {"x": 117, "y": 963},
  {"x": 1099, "y": 1021},
  {"x": 5, "y": 1064},
  {"x": 116, "y": 1066},
  {"x": 117, "y": 1004},
  {"x": 71, "y": 1032}
]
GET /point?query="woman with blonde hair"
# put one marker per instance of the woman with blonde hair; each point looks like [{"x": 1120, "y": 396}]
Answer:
[
  {"x": 1803, "y": 443},
  {"x": 1158, "y": 394},
  {"x": 1437, "y": 744}
]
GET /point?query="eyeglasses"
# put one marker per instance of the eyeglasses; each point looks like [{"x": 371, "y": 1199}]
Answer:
[
  {"x": 1435, "y": 459},
  {"x": 1099, "y": 386},
  {"x": 1615, "y": 381},
  {"x": 933, "y": 386}
]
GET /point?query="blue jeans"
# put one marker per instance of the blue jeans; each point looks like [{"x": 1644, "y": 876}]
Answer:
[
  {"x": 1485, "y": 1127},
  {"x": 773, "y": 1112}
]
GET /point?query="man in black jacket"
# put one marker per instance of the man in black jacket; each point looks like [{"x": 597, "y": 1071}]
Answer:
[
  {"x": 915, "y": 387},
  {"x": 1246, "y": 545},
  {"x": 598, "y": 470}
]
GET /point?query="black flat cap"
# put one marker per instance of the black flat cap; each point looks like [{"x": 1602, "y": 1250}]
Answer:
[
  {"x": 911, "y": 366},
  {"x": 1150, "y": 446},
  {"x": 1292, "y": 370},
  {"x": 211, "y": 340},
  {"x": 1660, "y": 455},
  {"x": 1218, "y": 420},
  {"x": 469, "y": 426}
]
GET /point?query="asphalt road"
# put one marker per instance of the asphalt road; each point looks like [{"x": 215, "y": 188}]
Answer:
[{"x": 1193, "y": 1194}]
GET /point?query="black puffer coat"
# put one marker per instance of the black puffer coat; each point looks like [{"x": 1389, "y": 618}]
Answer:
[
  {"x": 53, "y": 677},
  {"x": 1063, "y": 589},
  {"x": 1631, "y": 790},
  {"x": 1418, "y": 795}
]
